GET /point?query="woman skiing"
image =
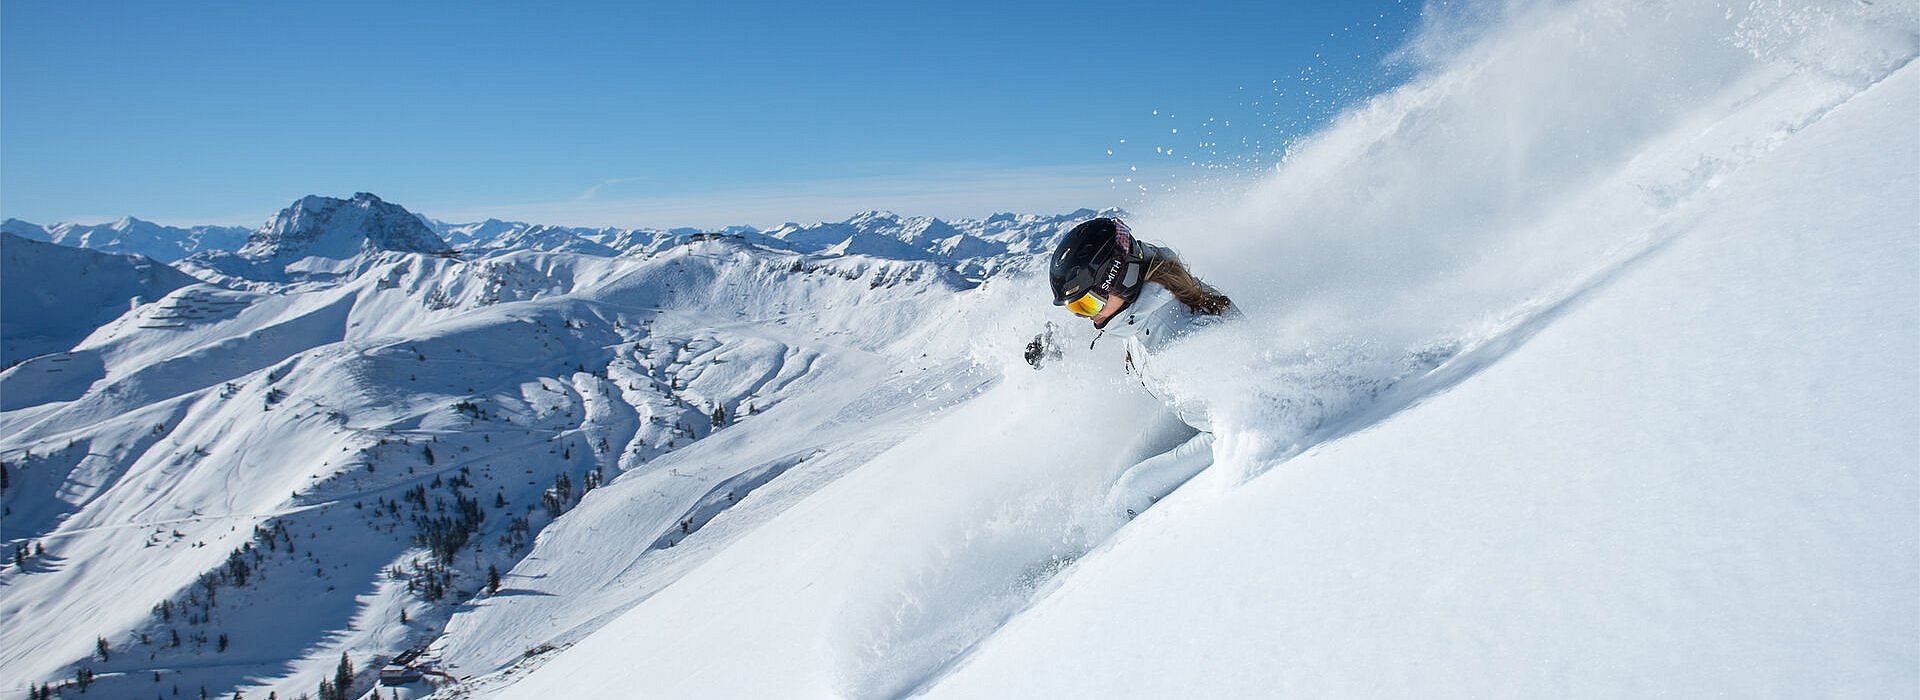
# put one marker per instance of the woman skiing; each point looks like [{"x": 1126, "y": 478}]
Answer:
[
  {"x": 1142, "y": 292},
  {"x": 1126, "y": 285}
]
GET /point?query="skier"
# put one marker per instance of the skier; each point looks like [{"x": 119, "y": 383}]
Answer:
[
  {"x": 1102, "y": 273},
  {"x": 1144, "y": 293}
]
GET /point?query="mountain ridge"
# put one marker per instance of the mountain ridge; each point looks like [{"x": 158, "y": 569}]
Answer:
[
  {"x": 133, "y": 236},
  {"x": 321, "y": 240},
  {"x": 350, "y": 382},
  {"x": 317, "y": 226},
  {"x": 52, "y": 296}
]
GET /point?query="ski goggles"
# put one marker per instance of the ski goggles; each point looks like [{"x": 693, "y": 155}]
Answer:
[{"x": 1087, "y": 305}]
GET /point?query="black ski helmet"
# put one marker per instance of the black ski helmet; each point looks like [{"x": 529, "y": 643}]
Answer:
[{"x": 1085, "y": 259}]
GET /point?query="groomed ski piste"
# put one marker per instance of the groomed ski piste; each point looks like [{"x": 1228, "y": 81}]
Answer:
[{"x": 1584, "y": 363}]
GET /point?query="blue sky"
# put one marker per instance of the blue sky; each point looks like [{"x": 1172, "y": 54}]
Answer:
[{"x": 658, "y": 113}]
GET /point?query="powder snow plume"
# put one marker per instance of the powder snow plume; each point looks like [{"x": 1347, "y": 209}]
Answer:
[
  {"x": 1543, "y": 147},
  {"x": 1422, "y": 242},
  {"x": 1579, "y": 363}
]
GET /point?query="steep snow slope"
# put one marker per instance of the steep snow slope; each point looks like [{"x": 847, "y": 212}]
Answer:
[
  {"x": 52, "y": 296},
  {"x": 29, "y": 231},
  {"x": 1575, "y": 367},
  {"x": 862, "y": 587},
  {"x": 635, "y": 536},
  {"x": 300, "y": 471},
  {"x": 1582, "y": 365},
  {"x": 1700, "y": 479}
]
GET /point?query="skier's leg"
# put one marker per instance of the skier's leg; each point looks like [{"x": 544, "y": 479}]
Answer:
[{"x": 1155, "y": 477}]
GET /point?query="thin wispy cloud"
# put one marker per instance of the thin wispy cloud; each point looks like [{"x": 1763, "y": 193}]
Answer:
[{"x": 593, "y": 192}]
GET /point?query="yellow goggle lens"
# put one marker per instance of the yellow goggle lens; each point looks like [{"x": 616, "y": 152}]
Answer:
[{"x": 1087, "y": 305}]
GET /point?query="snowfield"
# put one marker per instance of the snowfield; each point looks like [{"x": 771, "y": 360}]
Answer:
[
  {"x": 1586, "y": 363},
  {"x": 1699, "y": 480}
]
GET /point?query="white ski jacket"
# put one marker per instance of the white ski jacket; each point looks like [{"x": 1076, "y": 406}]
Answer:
[
  {"x": 1154, "y": 321},
  {"x": 1148, "y": 326}
]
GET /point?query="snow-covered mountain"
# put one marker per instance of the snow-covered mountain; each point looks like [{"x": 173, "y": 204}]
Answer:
[
  {"x": 972, "y": 248},
  {"x": 130, "y": 236},
  {"x": 319, "y": 240},
  {"x": 496, "y": 235},
  {"x": 555, "y": 239},
  {"x": 1582, "y": 365},
  {"x": 356, "y": 405},
  {"x": 325, "y": 227},
  {"x": 52, "y": 296},
  {"x": 474, "y": 234}
]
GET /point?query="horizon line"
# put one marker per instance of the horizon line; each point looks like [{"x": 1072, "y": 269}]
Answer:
[{"x": 953, "y": 194}]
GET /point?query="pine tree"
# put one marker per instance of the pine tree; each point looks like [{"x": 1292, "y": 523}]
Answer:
[
  {"x": 493, "y": 579},
  {"x": 100, "y": 647},
  {"x": 343, "y": 676},
  {"x": 719, "y": 416}
]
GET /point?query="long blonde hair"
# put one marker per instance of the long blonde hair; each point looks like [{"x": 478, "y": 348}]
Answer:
[{"x": 1167, "y": 271}]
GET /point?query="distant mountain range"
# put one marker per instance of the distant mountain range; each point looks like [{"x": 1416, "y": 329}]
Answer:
[
  {"x": 1582, "y": 365},
  {"x": 52, "y": 296},
  {"x": 348, "y": 361},
  {"x": 325, "y": 241},
  {"x": 337, "y": 229},
  {"x": 131, "y": 236}
]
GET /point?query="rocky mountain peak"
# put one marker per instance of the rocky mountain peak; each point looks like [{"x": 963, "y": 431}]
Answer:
[{"x": 318, "y": 226}]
